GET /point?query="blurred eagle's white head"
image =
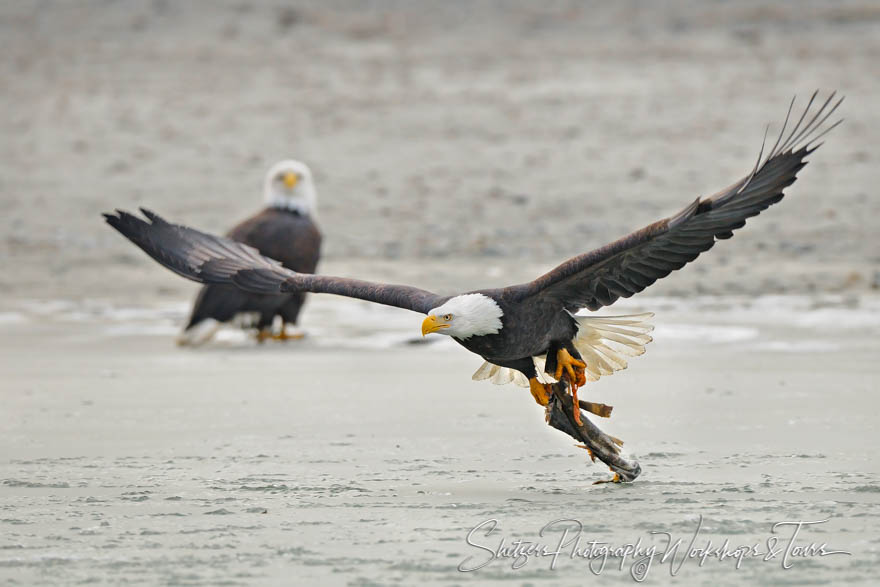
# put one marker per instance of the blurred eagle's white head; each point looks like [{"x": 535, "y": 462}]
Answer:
[{"x": 288, "y": 185}]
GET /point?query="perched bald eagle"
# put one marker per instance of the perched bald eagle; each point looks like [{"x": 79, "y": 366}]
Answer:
[
  {"x": 514, "y": 326},
  {"x": 286, "y": 231}
]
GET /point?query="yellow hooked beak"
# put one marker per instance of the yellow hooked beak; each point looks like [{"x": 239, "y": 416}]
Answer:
[
  {"x": 433, "y": 324},
  {"x": 290, "y": 179}
]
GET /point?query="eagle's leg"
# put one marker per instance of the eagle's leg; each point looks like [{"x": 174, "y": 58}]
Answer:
[
  {"x": 263, "y": 334},
  {"x": 575, "y": 369},
  {"x": 282, "y": 334}
]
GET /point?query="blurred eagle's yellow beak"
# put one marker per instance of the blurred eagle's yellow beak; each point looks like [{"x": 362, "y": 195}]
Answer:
[{"x": 290, "y": 179}]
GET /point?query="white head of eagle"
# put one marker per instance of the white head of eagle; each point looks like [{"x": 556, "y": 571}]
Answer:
[
  {"x": 465, "y": 316},
  {"x": 289, "y": 186}
]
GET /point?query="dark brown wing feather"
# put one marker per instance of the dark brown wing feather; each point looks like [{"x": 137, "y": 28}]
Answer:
[
  {"x": 631, "y": 264},
  {"x": 223, "y": 302},
  {"x": 208, "y": 258},
  {"x": 289, "y": 237}
]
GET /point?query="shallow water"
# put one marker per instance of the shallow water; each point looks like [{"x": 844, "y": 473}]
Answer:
[{"x": 126, "y": 459}]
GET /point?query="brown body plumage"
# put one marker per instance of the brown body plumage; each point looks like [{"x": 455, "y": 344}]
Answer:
[{"x": 286, "y": 231}]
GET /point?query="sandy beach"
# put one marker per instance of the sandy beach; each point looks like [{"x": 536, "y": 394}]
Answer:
[
  {"x": 465, "y": 145},
  {"x": 128, "y": 459}
]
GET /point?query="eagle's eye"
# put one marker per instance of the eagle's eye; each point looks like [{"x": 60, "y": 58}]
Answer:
[{"x": 447, "y": 317}]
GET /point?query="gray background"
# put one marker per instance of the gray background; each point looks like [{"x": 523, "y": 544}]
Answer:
[{"x": 519, "y": 132}]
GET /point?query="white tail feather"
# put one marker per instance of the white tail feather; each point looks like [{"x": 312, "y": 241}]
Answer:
[
  {"x": 604, "y": 342},
  {"x": 199, "y": 334},
  {"x": 500, "y": 375}
]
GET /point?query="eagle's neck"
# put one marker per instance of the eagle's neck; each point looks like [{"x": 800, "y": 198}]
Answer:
[
  {"x": 300, "y": 207},
  {"x": 303, "y": 200}
]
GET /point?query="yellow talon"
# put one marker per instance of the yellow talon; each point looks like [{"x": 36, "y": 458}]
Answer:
[
  {"x": 284, "y": 336},
  {"x": 542, "y": 392},
  {"x": 266, "y": 333},
  {"x": 574, "y": 368}
]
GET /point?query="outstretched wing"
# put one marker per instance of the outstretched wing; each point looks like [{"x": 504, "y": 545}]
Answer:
[
  {"x": 207, "y": 258},
  {"x": 631, "y": 264}
]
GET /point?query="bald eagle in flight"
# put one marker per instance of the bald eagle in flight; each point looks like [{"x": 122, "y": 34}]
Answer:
[
  {"x": 517, "y": 326},
  {"x": 285, "y": 231}
]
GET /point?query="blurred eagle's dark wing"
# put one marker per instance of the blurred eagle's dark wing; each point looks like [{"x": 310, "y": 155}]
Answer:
[
  {"x": 629, "y": 265},
  {"x": 284, "y": 235},
  {"x": 222, "y": 303},
  {"x": 207, "y": 258}
]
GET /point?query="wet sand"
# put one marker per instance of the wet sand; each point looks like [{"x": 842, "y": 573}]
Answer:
[{"x": 127, "y": 459}]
